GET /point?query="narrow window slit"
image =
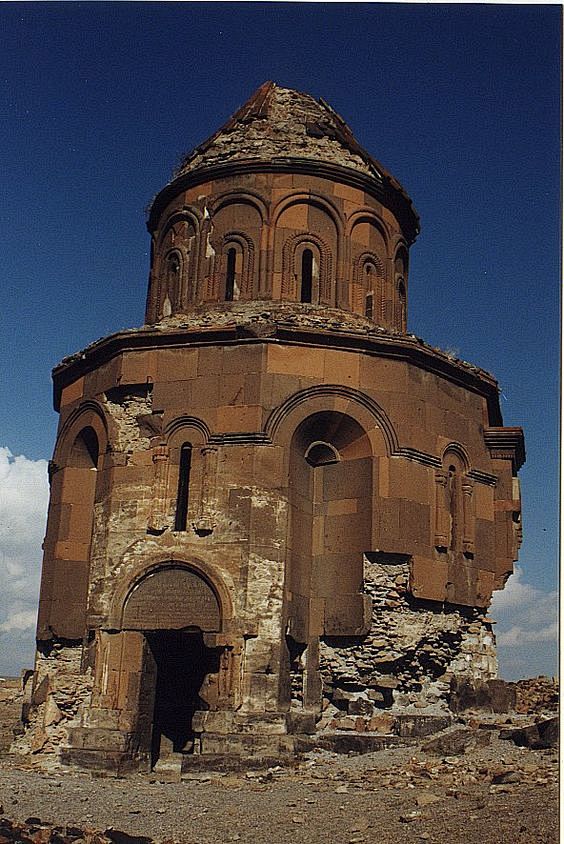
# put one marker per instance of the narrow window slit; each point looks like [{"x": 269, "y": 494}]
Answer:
[
  {"x": 230, "y": 275},
  {"x": 181, "y": 518},
  {"x": 307, "y": 275}
]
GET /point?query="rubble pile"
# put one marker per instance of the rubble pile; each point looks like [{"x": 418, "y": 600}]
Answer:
[
  {"x": 409, "y": 658},
  {"x": 53, "y": 704},
  {"x": 34, "y": 831},
  {"x": 536, "y": 694}
]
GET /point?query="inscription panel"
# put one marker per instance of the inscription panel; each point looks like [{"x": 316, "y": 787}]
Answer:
[{"x": 172, "y": 598}]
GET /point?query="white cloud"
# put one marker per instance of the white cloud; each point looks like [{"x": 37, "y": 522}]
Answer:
[
  {"x": 24, "y": 493},
  {"x": 527, "y": 618}
]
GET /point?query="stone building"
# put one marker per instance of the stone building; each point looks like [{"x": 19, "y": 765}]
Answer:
[{"x": 270, "y": 504}]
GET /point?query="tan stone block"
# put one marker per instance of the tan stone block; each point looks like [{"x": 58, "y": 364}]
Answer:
[
  {"x": 484, "y": 587},
  {"x": 410, "y": 480},
  {"x": 295, "y": 217},
  {"x": 342, "y": 506},
  {"x": 342, "y": 368},
  {"x": 383, "y": 723},
  {"x": 210, "y": 360},
  {"x": 73, "y": 392},
  {"x": 484, "y": 501},
  {"x": 239, "y": 418},
  {"x": 381, "y": 375},
  {"x": 175, "y": 396},
  {"x": 428, "y": 579},
  {"x": 232, "y": 389},
  {"x": 253, "y": 391},
  {"x": 353, "y": 195},
  {"x": 282, "y": 180},
  {"x": 66, "y": 550},
  {"x": 78, "y": 484},
  {"x": 137, "y": 367},
  {"x": 242, "y": 359},
  {"x": 294, "y": 361},
  {"x": 176, "y": 364},
  {"x": 205, "y": 391},
  {"x": 141, "y": 458},
  {"x": 78, "y": 527}
]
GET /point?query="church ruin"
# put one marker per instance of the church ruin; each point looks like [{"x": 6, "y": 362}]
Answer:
[{"x": 272, "y": 508}]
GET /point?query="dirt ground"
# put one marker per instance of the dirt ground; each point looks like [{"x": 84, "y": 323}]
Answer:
[{"x": 486, "y": 795}]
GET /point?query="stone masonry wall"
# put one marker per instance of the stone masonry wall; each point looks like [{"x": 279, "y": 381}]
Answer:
[
  {"x": 411, "y": 652},
  {"x": 59, "y": 691}
]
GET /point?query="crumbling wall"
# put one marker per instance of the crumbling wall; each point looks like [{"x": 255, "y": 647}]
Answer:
[
  {"x": 411, "y": 652},
  {"x": 60, "y": 688},
  {"x": 11, "y": 700},
  {"x": 128, "y": 407}
]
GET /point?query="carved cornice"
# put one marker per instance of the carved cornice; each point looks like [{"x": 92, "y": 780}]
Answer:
[
  {"x": 506, "y": 444},
  {"x": 399, "y": 347}
]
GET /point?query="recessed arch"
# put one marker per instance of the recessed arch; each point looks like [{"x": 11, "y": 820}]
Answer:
[
  {"x": 190, "y": 215},
  {"x": 322, "y": 202},
  {"x": 363, "y": 408},
  {"x": 367, "y": 215},
  {"x": 460, "y": 452},
  {"x": 172, "y": 597},
  {"x": 244, "y": 264},
  {"x": 322, "y": 281},
  {"x": 209, "y": 574},
  {"x": 239, "y": 197},
  {"x": 88, "y": 414},
  {"x": 187, "y": 425}
]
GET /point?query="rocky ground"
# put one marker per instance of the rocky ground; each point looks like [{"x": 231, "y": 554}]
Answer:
[{"x": 464, "y": 785}]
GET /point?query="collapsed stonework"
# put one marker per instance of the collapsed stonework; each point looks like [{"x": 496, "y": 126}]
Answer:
[{"x": 272, "y": 508}]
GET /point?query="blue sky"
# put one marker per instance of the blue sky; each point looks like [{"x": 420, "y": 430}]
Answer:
[{"x": 460, "y": 102}]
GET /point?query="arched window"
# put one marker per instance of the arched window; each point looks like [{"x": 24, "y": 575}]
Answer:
[
  {"x": 172, "y": 271},
  {"x": 321, "y": 454},
  {"x": 181, "y": 517},
  {"x": 402, "y": 305},
  {"x": 306, "y": 279},
  {"x": 230, "y": 285}
]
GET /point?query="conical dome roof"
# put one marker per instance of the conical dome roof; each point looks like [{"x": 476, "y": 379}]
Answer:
[
  {"x": 281, "y": 128},
  {"x": 278, "y": 123},
  {"x": 281, "y": 123}
]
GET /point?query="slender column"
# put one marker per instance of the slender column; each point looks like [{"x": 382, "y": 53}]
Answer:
[
  {"x": 469, "y": 522},
  {"x": 442, "y": 515},
  {"x": 158, "y": 514},
  {"x": 206, "y": 521}
]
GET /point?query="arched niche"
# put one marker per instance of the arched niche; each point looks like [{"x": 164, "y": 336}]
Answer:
[
  {"x": 68, "y": 541},
  {"x": 172, "y": 597},
  {"x": 174, "y": 265},
  {"x": 330, "y": 496},
  {"x": 185, "y": 440},
  {"x": 369, "y": 255},
  {"x": 400, "y": 287},
  {"x": 305, "y": 226},
  {"x": 230, "y": 263}
]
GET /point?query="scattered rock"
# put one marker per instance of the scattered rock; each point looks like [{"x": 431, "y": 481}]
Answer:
[
  {"x": 457, "y": 742},
  {"x": 543, "y": 734}
]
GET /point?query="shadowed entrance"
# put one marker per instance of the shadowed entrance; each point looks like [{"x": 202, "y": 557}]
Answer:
[
  {"x": 173, "y": 606},
  {"x": 182, "y": 662}
]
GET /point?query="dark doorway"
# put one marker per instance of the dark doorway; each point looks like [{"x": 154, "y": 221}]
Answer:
[{"x": 182, "y": 661}]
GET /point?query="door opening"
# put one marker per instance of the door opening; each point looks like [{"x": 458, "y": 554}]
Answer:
[{"x": 182, "y": 662}]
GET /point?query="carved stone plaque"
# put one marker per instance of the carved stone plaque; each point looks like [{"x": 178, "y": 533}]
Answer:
[{"x": 172, "y": 598}]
